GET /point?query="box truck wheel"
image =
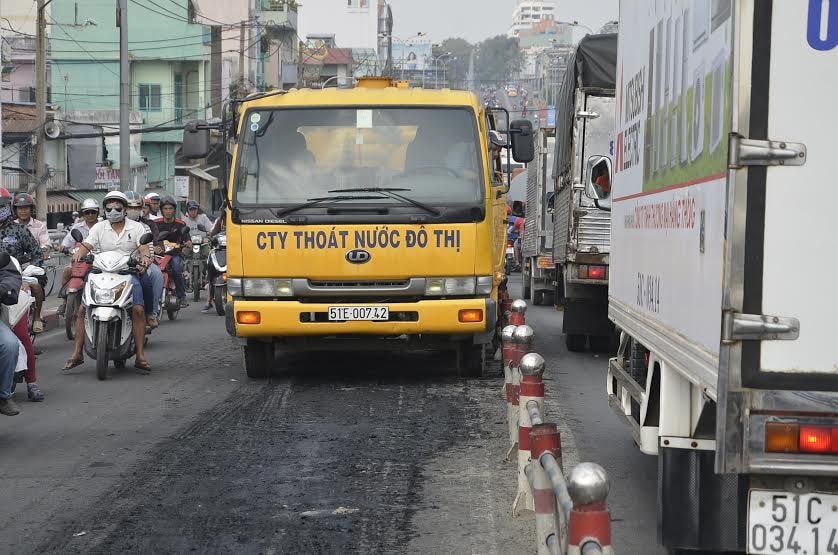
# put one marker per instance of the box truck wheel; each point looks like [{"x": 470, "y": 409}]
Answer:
[
  {"x": 471, "y": 360},
  {"x": 527, "y": 283},
  {"x": 258, "y": 358},
  {"x": 575, "y": 342}
]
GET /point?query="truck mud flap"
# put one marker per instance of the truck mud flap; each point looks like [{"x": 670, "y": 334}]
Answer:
[
  {"x": 697, "y": 508},
  {"x": 587, "y": 317}
]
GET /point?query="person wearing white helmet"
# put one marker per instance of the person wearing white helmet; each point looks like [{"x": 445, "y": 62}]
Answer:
[
  {"x": 121, "y": 234},
  {"x": 151, "y": 207},
  {"x": 90, "y": 215}
]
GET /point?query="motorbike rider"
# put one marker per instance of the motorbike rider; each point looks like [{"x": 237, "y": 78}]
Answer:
[
  {"x": 220, "y": 226},
  {"x": 151, "y": 207},
  {"x": 23, "y": 205},
  {"x": 10, "y": 282},
  {"x": 194, "y": 217},
  {"x": 178, "y": 234},
  {"x": 155, "y": 275},
  {"x": 17, "y": 241},
  {"x": 90, "y": 215},
  {"x": 120, "y": 234}
]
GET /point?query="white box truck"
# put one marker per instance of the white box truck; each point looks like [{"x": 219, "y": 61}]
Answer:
[
  {"x": 584, "y": 149},
  {"x": 723, "y": 268},
  {"x": 539, "y": 272}
]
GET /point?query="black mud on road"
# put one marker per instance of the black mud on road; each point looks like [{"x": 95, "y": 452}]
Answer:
[{"x": 329, "y": 460}]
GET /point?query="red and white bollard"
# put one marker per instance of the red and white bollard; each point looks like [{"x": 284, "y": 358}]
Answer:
[
  {"x": 509, "y": 353},
  {"x": 519, "y": 310},
  {"x": 522, "y": 339},
  {"x": 589, "y": 527},
  {"x": 544, "y": 438},
  {"x": 530, "y": 389}
]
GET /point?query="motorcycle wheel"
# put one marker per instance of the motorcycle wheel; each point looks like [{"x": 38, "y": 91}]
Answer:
[
  {"x": 219, "y": 298},
  {"x": 196, "y": 283},
  {"x": 73, "y": 300},
  {"x": 102, "y": 351}
]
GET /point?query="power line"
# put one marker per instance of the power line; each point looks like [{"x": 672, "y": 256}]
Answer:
[
  {"x": 92, "y": 57},
  {"x": 6, "y": 38}
]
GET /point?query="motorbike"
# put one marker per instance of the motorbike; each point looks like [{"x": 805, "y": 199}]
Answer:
[
  {"x": 12, "y": 314},
  {"x": 218, "y": 261},
  {"x": 107, "y": 299},
  {"x": 510, "y": 264},
  {"x": 168, "y": 300},
  {"x": 74, "y": 289},
  {"x": 30, "y": 276},
  {"x": 197, "y": 267}
]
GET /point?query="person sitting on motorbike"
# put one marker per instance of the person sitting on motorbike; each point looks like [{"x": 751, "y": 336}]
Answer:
[
  {"x": 151, "y": 207},
  {"x": 17, "y": 241},
  {"x": 179, "y": 235},
  {"x": 10, "y": 282},
  {"x": 23, "y": 205},
  {"x": 220, "y": 226},
  {"x": 194, "y": 217},
  {"x": 90, "y": 214},
  {"x": 120, "y": 234},
  {"x": 155, "y": 276}
]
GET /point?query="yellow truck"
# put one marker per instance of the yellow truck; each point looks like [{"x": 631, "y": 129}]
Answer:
[{"x": 365, "y": 218}]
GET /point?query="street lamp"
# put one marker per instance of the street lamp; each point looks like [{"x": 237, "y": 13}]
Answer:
[{"x": 436, "y": 68}]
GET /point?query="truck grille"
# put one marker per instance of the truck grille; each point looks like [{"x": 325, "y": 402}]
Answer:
[{"x": 396, "y": 284}]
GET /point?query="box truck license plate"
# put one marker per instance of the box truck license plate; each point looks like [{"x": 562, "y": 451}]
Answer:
[
  {"x": 784, "y": 522},
  {"x": 355, "y": 313}
]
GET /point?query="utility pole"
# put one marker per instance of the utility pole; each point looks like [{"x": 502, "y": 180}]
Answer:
[
  {"x": 124, "y": 100},
  {"x": 41, "y": 174},
  {"x": 242, "y": 75}
]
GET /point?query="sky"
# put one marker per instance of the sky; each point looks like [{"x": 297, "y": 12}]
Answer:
[{"x": 473, "y": 20}]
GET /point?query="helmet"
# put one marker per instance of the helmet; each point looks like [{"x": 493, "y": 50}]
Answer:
[
  {"x": 89, "y": 204},
  {"x": 168, "y": 200},
  {"x": 134, "y": 199},
  {"x": 192, "y": 204},
  {"x": 5, "y": 196},
  {"x": 23, "y": 199},
  {"x": 497, "y": 139},
  {"x": 115, "y": 195},
  {"x": 152, "y": 196}
]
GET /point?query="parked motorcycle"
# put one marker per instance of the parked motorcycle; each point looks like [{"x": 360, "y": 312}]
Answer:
[
  {"x": 73, "y": 294},
  {"x": 108, "y": 302},
  {"x": 168, "y": 300},
  {"x": 218, "y": 261}
]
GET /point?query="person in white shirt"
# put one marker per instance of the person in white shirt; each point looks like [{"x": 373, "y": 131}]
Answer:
[
  {"x": 120, "y": 234},
  {"x": 193, "y": 219},
  {"x": 23, "y": 206},
  {"x": 90, "y": 215}
]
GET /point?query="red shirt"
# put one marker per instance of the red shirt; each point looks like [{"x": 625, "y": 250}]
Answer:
[{"x": 518, "y": 225}]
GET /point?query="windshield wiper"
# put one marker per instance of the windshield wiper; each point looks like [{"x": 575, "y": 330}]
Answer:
[
  {"x": 320, "y": 200},
  {"x": 391, "y": 192}
]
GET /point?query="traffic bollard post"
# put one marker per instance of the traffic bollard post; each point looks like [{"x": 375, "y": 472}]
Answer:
[
  {"x": 546, "y": 453},
  {"x": 522, "y": 339},
  {"x": 531, "y": 389},
  {"x": 509, "y": 352},
  {"x": 518, "y": 314},
  {"x": 589, "y": 527}
]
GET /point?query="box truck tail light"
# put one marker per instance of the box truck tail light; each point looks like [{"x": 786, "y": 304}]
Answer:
[
  {"x": 793, "y": 438},
  {"x": 592, "y": 272}
]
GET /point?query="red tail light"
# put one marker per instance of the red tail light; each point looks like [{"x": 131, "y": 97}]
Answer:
[
  {"x": 814, "y": 439},
  {"x": 793, "y": 438},
  {"x": 592, "y": 272}
]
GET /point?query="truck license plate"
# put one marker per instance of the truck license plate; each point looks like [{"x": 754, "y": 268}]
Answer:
[
  {"x": 355, "y": 313},
  {"x": 784, "y": 522}
]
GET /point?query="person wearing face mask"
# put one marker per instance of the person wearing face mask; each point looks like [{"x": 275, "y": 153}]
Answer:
[
  {"x": 117, "y": 233},
  {"x": 17, "y": 241},
  {"x": 178, "y": 234},
  {"x": 155, "y": 275}
]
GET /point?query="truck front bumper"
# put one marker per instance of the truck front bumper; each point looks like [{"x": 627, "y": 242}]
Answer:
[{"x": 297, "y": 319}]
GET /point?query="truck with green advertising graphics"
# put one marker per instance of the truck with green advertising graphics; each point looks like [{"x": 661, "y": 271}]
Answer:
[{"x": 723, "y": 191}]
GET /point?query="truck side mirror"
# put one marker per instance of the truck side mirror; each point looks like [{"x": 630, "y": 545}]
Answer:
[
  {"x": 196, "y": 142},
  {"x": 598, "y": 170},
  {"x": 523, "y": 141}
]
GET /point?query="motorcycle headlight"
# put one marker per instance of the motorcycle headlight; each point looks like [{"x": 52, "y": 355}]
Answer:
[
  {"x": 197, "y": 239},
  {"x": 222, "y": 240},
  {"x": 107, "y": 295},
  {"x": 438, "y": 287}
]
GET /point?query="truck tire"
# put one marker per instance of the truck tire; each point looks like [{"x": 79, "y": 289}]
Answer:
[
  {"x": 471, "y": 360},
  {"x": 575, "y": 342},
  {"x": 258, "y": 359},
  {"x": 637, "y": 362},
  {"x": 538, "y": 298},
  {"x": 527, "y": 285},
  {"x": 549, "y": 297}
]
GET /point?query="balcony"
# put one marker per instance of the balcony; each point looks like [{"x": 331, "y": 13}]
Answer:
[{"x": 279, "y": 13}]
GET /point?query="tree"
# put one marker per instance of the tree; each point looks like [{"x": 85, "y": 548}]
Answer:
[
  {"x": 498, "y": 59},
  {"x": 457, "y": 67}
]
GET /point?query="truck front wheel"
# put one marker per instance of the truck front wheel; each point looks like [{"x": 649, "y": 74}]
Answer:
[
  {"x": 258, "y": 359},
  {"x": 471, "y": 360}
]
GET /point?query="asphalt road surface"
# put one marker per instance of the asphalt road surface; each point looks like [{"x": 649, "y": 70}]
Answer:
[{"x": 336, "y": 453}]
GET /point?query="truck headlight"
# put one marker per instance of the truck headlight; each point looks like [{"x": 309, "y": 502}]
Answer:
[
  {"x": 234, "y": 287},
  {"x": 485, "y": 285},
  {"x": 266, "y": 287},
  {"x": 438, "y": 287}
]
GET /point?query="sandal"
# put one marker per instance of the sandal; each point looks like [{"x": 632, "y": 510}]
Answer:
[
  {"x": 143, "y": 366},
  {"x": 72, "y": 363},
  {"x": 38, "y": 326}
]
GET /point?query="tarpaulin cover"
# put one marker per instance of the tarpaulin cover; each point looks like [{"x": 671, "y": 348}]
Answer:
[{"x": 593, "y": 67}]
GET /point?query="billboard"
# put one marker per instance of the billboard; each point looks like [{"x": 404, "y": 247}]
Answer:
[
  {"x": 358, "y": 4},
  {"x": 409, "y": 56}
]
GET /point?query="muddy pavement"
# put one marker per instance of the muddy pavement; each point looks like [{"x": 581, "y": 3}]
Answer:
[{"x": 343, "y": 453}]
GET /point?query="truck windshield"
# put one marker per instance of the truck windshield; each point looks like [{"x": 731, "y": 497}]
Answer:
[{"x": 288, "y": 156}]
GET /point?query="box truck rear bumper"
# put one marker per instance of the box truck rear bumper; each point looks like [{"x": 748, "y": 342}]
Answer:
[{"x": 587, "y": 315}]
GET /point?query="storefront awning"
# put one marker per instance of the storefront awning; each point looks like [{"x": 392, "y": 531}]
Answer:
[
  {"x": 98, "y": 195},
  {"x": 58, "y": 202},
  {"x": 203, "y": 175}
]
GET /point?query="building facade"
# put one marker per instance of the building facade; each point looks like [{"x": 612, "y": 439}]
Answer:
[{"x": 530, "y": 12}]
